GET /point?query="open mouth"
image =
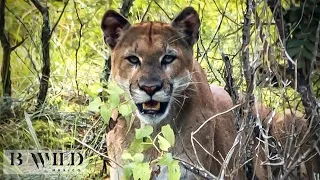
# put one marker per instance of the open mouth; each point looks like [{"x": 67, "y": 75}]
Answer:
[{"x": 152, "y": 107}]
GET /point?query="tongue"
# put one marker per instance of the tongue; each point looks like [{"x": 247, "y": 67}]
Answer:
[{"x": 151, "y": 105}]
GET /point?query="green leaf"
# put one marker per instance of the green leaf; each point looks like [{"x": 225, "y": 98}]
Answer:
[
  {"x": 114, "y": 100},
  {"x": 113, "y": 88},
  {"x": 141, "y": 171},
  {"x": 95, "y": 104},
  {"x": 292, "y": 43},
  {"x": 168, "y": 133},
  {"x": 174, "y": 170},
  {"x": 293, "y": 52},
  {"x": 144, "y": 132},
  {"x": 125, "y": 109},
  {"x": 138, "y": 157},
  {"x": 127, "y": 171},
  {"x": 138, "y": 146},
  {"x": 309, "y": 46},
  {"x": 126, "y": 156},
  {"x": 307, "y": 54},
  {"x": 105, "y": 113},
  {"x": 166, "y": 159},
  {"x": 163, "y": 143},
  {"x": 93, "y": 89}
]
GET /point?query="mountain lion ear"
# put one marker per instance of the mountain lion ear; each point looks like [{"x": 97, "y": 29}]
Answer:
[
  {"x": 188, "y": 23},
  {"x": 113, "y": 25}
]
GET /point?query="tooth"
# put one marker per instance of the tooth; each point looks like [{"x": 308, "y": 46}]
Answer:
[{"x": 157, "y": 107}]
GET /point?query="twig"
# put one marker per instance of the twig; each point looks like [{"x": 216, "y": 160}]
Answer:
[
  {"x": 23, "y": 24},
  {"x": 59, "y": 18},
  {"x": 196, "y": 170},
  {"x": 223, "y": 13},
  {"x": 18, "y": 44},
  {"x": 229, "y": 155},
  {"x": 145, "y": 13},
  {"x": 211, "y": 118},
  {"x": 163, "y": 10},
  {"x": 203, "y": 124},
  {"x": 267, "y": 129},
  {"x": 216, "y": 32},
  {"x": 91, "y": 148},
  {"x": 301, "y": 158},
  {"x": 78, "y": 47}
]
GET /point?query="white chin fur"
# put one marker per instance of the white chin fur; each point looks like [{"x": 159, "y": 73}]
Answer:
[{"x": 150, "y": 119}]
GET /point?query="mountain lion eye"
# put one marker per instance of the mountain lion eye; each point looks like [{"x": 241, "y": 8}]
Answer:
[
  {"x": 133, "y": 60},
  {"x": 167, "y": 59}
]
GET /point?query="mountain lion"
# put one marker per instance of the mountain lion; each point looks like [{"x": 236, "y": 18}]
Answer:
[{"x": 153, "y": 62}]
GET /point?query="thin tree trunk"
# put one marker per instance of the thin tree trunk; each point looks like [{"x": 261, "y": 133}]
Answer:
[
  {"x": 246, "y": 125},
  {"x": 45, "y": 38},
  {"x": 5, "y": 71}
]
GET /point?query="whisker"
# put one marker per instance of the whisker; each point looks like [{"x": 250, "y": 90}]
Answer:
[
  {"x": 176, "y": 39},
  {"x": 177, "y": 102},
  {"x": 179, "y": 95},
  {"x": 181, "y": 88}
]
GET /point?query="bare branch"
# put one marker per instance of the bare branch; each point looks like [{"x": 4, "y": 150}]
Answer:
[
  {"x": 299, "y": 161},
  {"x": 79, "y": 44},
  {"x": 196, "y": 170},
  {"x": 63, "y": 10},
  {"x": 147, "y": 10},
  {"x": 18, "y": 44},
  {"x": 163, "y": 10},
  {"x": 97, "y": 152},
  {"x": 23, "y": 24}
]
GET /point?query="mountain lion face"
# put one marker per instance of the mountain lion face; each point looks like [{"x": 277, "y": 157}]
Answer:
[{"x": 152, "y": 61}]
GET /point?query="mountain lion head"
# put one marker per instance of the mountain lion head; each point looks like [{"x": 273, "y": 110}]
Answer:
[{"x": 152, "y": 61}]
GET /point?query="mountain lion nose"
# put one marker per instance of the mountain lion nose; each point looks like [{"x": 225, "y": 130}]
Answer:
[
  {"x": 150, "y": 90},
  {"x": 150, "y": 84}
]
